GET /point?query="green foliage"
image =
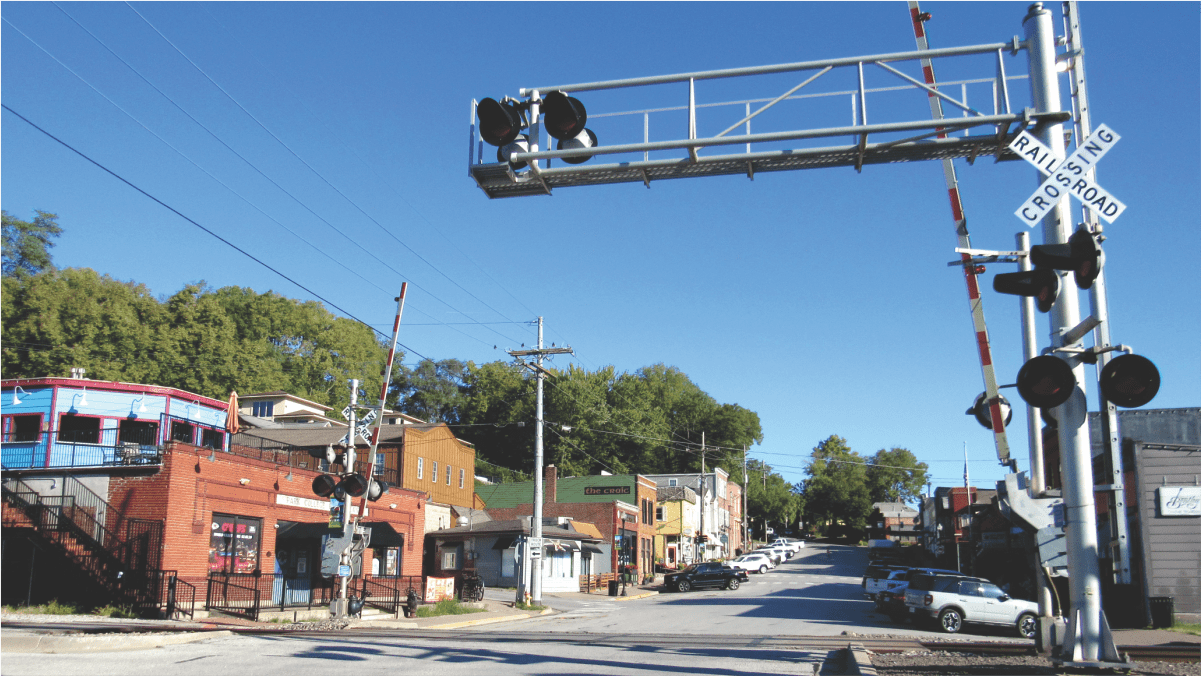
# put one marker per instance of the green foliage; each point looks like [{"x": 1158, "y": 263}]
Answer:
[
  {"x": 52, "y": 608},
  {"x": 895, "y": 475},
  {"x": 113, "y": 611},
  {"x": 529, "y": 606},
  {"x": 836, "y": 490},
  {"x": 447, "y": 607},
  {"x": 434, "y": 391},
  {"x": 200, "y": 340},
  {"x": 27, "y": 244}
]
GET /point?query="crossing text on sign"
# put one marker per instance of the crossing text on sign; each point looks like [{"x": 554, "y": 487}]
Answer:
[{"x": 1067, "y": 177}]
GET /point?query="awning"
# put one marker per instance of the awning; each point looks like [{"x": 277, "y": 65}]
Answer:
[
  {"x": 504, "y": 542},
  {"x": 291, "y": 530},
  {"x": 383, "y": 535},
  {"x": 590, "y": 548}
]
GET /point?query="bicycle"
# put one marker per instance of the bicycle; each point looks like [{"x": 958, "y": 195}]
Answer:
[{"x": 473, "y": 588}]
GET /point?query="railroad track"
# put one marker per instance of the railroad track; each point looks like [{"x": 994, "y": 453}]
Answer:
[{"x": 1190, "y": 652}]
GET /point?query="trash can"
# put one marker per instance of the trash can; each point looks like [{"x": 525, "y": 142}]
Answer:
[
  {"x": 613, "y": 587},
  {"x": 1163, "y": 611}
]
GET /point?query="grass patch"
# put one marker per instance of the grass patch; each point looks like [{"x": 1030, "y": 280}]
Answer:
[
  {"x": 113, "y": 611},
  {"x": 447, "y": 607},
  {"x": 52, "y": 608},
  {"x": 528, "y": 606},
  {"x": 1187, "y": 628}
]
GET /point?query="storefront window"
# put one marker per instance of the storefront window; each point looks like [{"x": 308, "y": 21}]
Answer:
[
  {"x": 234, "y": 544},
  {"x": 386, "y": 562}
]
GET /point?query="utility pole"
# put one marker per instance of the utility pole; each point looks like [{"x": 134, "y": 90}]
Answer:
[
  {"x": 704, "y": 536},
  {"x": 745, "y": 488},
  {"x": 535, "y": 542}
]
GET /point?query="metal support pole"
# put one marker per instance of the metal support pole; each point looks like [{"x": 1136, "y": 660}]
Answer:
[
  {"x": 1071, "y": 416},
  {"x": 1038, "y": 482},
  {"x": 1099, "y": 304}
]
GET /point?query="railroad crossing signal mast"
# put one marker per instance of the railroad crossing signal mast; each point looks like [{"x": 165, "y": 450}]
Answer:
[{"x": 514, "y": 125}]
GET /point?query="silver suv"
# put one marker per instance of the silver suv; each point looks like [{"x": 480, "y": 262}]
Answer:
[{"x": 954, "y": 601}]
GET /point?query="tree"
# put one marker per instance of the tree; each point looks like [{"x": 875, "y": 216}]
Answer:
[
  {"x": 434, "y": 391},
  {"x": 895, "y": 475},
  {"x": 836, "y": 490},
  {"x": 27, "y": 245}
]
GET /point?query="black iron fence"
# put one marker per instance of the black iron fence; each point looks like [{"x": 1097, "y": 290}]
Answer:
[
  {"x": 248, "y": 594},
  {"x": 300, "y": 457}
]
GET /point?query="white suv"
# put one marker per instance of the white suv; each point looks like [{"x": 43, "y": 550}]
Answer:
[
  {"x": 752, "y": 562},
  {"x": 956, "y": 600},
  {"x": 794, "y": 546}
]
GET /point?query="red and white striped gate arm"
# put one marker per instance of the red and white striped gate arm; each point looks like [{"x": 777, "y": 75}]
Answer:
[
  {"x": 383, "y": 392},
  {"x": 969, "y": 271}
]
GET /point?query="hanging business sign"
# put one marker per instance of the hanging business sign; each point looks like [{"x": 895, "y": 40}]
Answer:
[
  {"x": 607, "y": 490},
  {"x": 1179, "y": 500}
]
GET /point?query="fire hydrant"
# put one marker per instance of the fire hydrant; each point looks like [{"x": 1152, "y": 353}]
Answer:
[{"x": 411, "y": 603}]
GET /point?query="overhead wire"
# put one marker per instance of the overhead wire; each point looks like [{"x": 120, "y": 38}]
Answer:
[
  {"x": 324, "y": 180},
  {"x": 236, "y": 153},
  {"x": 370, "y": 168},
  {"x": 198, "y": 225}
]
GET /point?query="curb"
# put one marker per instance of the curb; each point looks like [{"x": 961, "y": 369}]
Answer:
[
  {"x": 485, "y": 620},
  {"x": 635, "y": 596},
  {"x": 858, "y": 661},
  {"x": 40, "y": 643}
]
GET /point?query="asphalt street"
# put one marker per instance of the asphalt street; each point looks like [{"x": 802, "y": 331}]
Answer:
[{"x": 813, "y": 594}]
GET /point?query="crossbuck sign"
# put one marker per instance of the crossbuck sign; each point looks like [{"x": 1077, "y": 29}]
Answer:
[{"x": 1068, "y": 176}]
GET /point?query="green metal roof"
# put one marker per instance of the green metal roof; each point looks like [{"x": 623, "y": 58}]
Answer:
[{"x": 621, "y": 487}]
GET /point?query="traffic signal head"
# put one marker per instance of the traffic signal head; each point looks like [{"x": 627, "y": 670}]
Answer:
[
  {"x": 1046, "y": 381},
  {"x": 983, "y": 413},
  {"x": 521, "y": 144},
  {"x": 1082, "y": 255},
  {"x": 500, "y": 123},
  {"x": 1129, "y": 381},
  {"x": 354, "y": 485},
  {"x": 324, "y": 485},
  {"x": 1041, "y": 283},
  {"x": 377, "y": 489},
  {"x": 564, "y": 116},
  {"x": 585, "y": 139}
]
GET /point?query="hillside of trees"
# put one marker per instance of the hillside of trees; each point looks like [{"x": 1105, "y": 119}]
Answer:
[{"x": 214, "y": 341}]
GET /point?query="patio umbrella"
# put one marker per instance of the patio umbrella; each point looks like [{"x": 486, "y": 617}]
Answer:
[{"x": 231, "y": 416}]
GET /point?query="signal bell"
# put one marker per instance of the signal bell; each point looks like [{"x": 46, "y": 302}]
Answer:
[
  {"x": 1046, "y": 381},
  {"x": 1129, "y": 381},
  {"x": 983, "y": 413}
]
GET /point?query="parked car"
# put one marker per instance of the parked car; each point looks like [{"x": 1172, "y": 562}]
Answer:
[
  {"x": 891, "y": 601},
  {"x": 758, "y": 563},
  {"x": 884, "y": 579},
  {"x": 793, "y": 546},
  {"x": 954, "y": 601},
  {"x": 777, "y": 554},
  {"x": 708, "y": 574}
]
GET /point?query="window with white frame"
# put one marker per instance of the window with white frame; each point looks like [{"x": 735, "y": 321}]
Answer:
[
  {"x": 462, "y": 476},
  {"x": 420, "y": 468},
  {"x": 434, "y": 471},
  {"x": 448, "y": 475}
]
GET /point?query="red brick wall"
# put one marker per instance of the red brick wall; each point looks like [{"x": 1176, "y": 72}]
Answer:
[{"x": 190, "y": 488}]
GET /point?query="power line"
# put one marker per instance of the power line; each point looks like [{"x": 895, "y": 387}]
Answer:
[
  {"x": 370, "y": 168},
  {"x": 219, "y": 237},
  {"x": 322, "y": 177}
]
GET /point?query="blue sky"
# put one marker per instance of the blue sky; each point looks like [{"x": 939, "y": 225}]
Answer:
[{"x": 820, "y": 299}]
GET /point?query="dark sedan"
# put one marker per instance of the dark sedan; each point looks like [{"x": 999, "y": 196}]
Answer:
[{"x": 701, "y": 575}]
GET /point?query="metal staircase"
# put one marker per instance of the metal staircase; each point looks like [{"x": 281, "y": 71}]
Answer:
[{"x": 74, "y": 525}]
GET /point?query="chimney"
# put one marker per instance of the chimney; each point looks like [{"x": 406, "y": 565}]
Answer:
[{"x": 551, "y": 484}]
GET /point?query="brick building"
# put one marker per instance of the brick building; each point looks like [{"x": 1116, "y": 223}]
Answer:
[
  {"x": 118, "y": 492},
  {"x": 621, "y": 506},
  {"x": 894, "y": 521}
]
